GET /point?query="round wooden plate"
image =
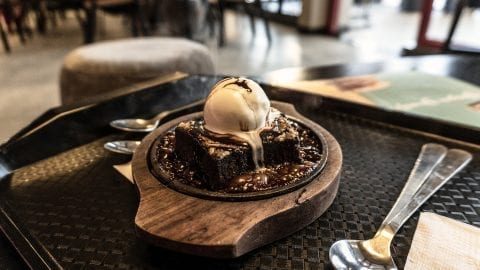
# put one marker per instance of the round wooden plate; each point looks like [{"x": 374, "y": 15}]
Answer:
[{"x": 225, "y": 229}]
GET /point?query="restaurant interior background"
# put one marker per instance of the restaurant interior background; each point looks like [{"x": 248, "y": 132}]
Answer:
[{"x": 366, "y": 31}]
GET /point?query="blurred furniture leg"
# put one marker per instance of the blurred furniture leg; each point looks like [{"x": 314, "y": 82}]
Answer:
[
  {"x": 14, "y": 13},
  {"x": 456, "y": 17},
  {"x": 193, "y": 19},
  {"x": 252, "y": 9},
  {"x": 7, "y": 13},
  {"x": 89, "y": 24},
  {"x": 142, "y": 17},
  {"x": 153, "y": 14},
  {"x": 10, "y": 16},
  {"x": 97, "y": 69},
  {"x": 251, "y": 17},
  {"x": 429, "y": 46},
  {"x": 47, "y": 12},
  {"x": 6, "y": 44},
  {"x": 53, "y": 18},
  {"x": 139, "y": 19},
  {"x": 40, "y": 10},
  {"x": 333, "y": 14},
  {"x": 255, "y": 9},
  {"x": 214, "y": 18},
  {"x": 263, "y": 15},
  {"x": 21, "y": 12},
  {"x": 221, "y": 19},
  {"x": 134, "y": 9},
  {"x": 134, "y": 24}
]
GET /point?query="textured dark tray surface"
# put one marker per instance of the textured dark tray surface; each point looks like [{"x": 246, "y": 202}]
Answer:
[
  {"x": 82, "y": 210},
  {"x": 9, "y": 259}
]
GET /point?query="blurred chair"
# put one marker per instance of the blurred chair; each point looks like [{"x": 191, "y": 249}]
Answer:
[
  {"x": 46, "y": 11},
  {"x": 134, "y": 9},
  {"x": 252, "y": 8},
  {"x": 426, "y": 45},
  {"x": 13, "y": 14},
  {"x": 86, "y": 14},
  {"x": 99, "y": 68},
  {"x": 460, "y": 5},
  {"x": 186, "y": 18},
  {"x": 3, "y": 35}
]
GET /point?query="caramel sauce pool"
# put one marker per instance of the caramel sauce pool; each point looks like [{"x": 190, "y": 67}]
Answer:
[{"x": 269, "y": 177}]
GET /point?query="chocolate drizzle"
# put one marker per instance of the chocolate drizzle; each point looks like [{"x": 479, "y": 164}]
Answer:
[{"x": 242, "y": 83}]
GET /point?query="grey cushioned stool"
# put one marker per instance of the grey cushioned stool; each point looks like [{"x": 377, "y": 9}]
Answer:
[{"x": 96, "y": 69}]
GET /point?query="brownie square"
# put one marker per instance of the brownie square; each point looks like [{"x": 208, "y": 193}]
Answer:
[{"x": 219, "y": 159}]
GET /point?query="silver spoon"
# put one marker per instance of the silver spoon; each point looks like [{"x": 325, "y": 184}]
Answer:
[
  {"x": 375, "y": 253},
  {"x": 431, "y": 154},
  {"x": 148, "y": 125},
  {"x": 122, "y": 147}
]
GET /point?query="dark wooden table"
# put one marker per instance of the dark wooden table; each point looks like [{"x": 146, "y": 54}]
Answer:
[{"x": 461, "y": 67}]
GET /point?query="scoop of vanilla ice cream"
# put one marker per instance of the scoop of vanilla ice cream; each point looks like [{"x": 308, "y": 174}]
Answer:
[{"x": 236, "y": 105}]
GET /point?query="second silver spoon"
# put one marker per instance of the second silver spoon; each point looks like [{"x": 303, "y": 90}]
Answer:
[
  {"x": 122, "y": 147},
  {"x": 148, "y": 125}
]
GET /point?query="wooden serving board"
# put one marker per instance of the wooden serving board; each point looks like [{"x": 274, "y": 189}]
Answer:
[{"x": 223, "y": 229}]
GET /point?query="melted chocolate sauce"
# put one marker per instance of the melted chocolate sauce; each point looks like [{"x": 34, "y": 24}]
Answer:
[{"x": 269, "y": 177}]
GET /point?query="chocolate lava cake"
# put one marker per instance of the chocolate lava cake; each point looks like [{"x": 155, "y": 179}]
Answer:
[{"x": 240, "y": 144}]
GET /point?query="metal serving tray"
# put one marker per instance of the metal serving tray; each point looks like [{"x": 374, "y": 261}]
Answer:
[{"x": 64, "y": 206}]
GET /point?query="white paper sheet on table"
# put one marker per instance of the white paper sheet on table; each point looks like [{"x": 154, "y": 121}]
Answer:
[
  {"x": 443, "y": 243},
  {"x": 125, "y": 170}
]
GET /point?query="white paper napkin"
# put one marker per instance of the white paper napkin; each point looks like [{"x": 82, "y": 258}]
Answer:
[
  {"x": 125, "y": 170},
  {"x": 443, "y": 243}
]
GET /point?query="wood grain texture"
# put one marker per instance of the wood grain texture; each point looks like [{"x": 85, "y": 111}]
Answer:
[{"x": 223, "y": 229}]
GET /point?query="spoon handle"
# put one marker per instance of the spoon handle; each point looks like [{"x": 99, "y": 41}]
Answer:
[
  {"x": 179, "y": 109},
  {"x": 430, "y": 156},
  {"x": 454, "y": 161}
]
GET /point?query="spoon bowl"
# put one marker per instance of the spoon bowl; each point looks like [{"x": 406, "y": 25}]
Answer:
[
  {"x": 122, "y": 147},
  {"x": 135, "y": 124},
  {"x": 346, "y": 254}
]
